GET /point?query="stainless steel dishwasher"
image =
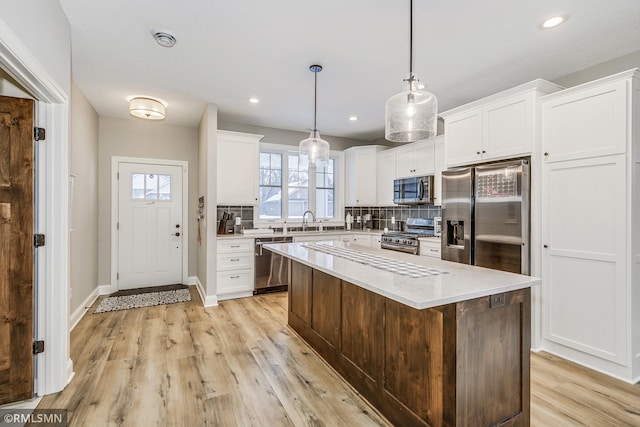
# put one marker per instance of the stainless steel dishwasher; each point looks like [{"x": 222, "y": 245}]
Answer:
[{"x": 272, "y": 272}]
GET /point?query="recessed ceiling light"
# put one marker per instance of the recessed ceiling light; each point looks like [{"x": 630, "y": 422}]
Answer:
[
  {"x": 353, "y": 118},
  {"x": 164, "y": 38},
  {"x": 254, "y": 100},
  {"x": 553, "y": 22}
]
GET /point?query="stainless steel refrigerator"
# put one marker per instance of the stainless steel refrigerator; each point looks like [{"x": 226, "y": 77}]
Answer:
[{"x": 485, "y": 216}]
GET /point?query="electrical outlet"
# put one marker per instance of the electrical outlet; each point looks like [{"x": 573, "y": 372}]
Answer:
[{"x": 497, "y": 300}]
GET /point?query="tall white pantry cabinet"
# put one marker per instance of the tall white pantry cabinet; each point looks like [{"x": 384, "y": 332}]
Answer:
[{"x": 591, "y": 224}]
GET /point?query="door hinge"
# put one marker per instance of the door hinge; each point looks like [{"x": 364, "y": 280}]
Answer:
[
  {"x": 117, "y": 226},
  {"x": 117, "y": 175},
  {"x": 38, "y": 240},
  {"x": 38, "y": 347},
  {"x": 117, "y": 276},
  {"x": 39, "y": 134}
]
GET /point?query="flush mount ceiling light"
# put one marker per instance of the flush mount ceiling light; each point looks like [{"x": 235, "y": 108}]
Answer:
[
  {"x": 254, "y": 100},
  {"x": 314, "y": 147},
  {"x": 146, "y": 108},
  {"x": 411, "y": 115},
  {"x": 553, "y": 22},
  {"x": 164, "y": 38}
]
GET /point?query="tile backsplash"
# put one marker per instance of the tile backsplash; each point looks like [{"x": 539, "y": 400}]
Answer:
[
  {"x": 381, "y": 215},
  {"x": 244, "y": 212}
]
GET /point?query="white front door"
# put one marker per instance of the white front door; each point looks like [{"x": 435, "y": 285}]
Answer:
[{"x": 150, "y": 230}]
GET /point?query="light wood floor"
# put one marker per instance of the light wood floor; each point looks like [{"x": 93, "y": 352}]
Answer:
[{"x": 238, "y": 364}]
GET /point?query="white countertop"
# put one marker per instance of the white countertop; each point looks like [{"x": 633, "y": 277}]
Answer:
[{"x": 463, "y": 282}]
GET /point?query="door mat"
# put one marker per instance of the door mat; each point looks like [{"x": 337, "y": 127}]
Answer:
[{"x": 147, "y": 299}]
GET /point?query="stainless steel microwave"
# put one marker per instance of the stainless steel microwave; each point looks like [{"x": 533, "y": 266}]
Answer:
[{"x": 413, "y": 191}]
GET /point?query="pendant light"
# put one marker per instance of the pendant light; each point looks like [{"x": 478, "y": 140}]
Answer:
[
  {"x": 314, "y": 147},
  {"x": 411, "y": 115}
]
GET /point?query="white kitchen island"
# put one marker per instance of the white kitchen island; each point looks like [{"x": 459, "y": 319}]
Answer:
[{"x": 427, "y": 342}]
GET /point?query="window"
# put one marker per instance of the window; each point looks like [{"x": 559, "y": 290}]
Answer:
[
  {"x": 303, "y": 187},
  {"x": 150, "y": 186}
]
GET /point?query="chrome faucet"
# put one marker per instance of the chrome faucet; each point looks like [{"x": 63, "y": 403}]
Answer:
[{"x": 305, "y": 223}]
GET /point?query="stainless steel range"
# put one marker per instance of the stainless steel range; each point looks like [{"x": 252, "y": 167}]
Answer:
[{"x": 407, "y": 240}]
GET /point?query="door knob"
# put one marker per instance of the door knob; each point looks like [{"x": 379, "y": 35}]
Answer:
[
  {"x": 177, "y": 234},
  {"x": 546, "y": 246},
  {"x": 177, "y": 225}
]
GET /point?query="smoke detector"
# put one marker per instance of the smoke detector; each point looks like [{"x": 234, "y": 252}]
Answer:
[{"x": 164, "y": 38}]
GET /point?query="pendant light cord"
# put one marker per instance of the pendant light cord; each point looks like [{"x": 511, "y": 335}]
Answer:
[
  {"x": 410, "y": 41},
  {"x": 315, "y": 102}
]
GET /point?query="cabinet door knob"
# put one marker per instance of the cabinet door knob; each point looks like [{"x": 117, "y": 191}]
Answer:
[
  {"x": 483, "y": 152},
  {"x": 545, "y": 246},
  {"x": 477, "y": 152},
  {"x": 546, "y": 154}
]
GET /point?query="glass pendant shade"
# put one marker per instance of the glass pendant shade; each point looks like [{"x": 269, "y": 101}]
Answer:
[
  {"x": 315, "y": 148},
  {"x": 411, "y": 116}
]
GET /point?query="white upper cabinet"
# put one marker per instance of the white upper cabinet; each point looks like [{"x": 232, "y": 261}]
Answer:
[
  {"x": 360, "y": 185},
  {"x": 439, "y": 167},
  {"x": 415, "y": 159},
  {"x": 386, "y": 173},
  {"x": 497, "y": 127},
  {"x": 237, "y": 168},
  {"x": 586, "y": 123}
]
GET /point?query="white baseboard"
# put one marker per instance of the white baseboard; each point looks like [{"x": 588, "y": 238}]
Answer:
[
  {"x": 234, "y": 295},
  {"x": 104, "y": 290},
  {"x": 82, "y": 308},
  {"x": 70, "y": 372},
  {"x": 207, "y": 300}
]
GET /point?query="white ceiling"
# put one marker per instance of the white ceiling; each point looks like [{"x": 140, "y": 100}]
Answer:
[{"x": 229, "y": 51}]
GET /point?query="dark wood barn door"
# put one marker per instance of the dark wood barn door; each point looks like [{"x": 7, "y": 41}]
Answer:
[{"x": 16, "y": 249}]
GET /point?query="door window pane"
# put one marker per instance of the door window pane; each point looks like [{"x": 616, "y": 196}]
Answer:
[
  {"x": 150, "y": 186},
  {"x": 137, "y": 186}
]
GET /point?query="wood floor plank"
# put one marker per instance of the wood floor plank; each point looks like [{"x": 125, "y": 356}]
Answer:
[{"x": 239, "y": 364}]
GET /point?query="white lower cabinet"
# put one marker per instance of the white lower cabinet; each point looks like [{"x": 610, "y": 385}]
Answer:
[
  {"x": 235, "y": 268},
  {"x": 430, "y": 247}
]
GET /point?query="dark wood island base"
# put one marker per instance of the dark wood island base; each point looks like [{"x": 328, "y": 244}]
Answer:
[{"x": 460, "y": 364}]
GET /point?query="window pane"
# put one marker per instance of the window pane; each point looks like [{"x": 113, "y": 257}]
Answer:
[
  {"x": 137, "y": 186},
  {"x": 324, "y": 203},
  {"x": 164, "y": 187},
  {"x": 270, "y": 186},
  {"x": 298, "y": 202},
  {"x": 298, "y": 186},
  {"x": 270, "y": 202}
]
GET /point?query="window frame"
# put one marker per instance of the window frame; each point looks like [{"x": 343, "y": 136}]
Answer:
[{"x": 338, "y": 197}]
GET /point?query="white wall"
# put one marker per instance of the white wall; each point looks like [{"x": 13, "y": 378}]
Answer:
[
  {"x": 603, "y": 69},
  {"x": 144, "y": 139},
  {"x": 83, "y": 215},
  {"x": 44, "y": 29},
  {"x": 207, "y": 181},
  {"x": 289, "y": 137}
]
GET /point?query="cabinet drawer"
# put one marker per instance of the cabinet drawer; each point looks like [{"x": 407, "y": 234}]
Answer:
[
  {"x": 235, "y": 261},
  {"x": 432, "y": 249},
  {"x": 234, "y": 281},
  {"x": 235, "y": 245}
]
